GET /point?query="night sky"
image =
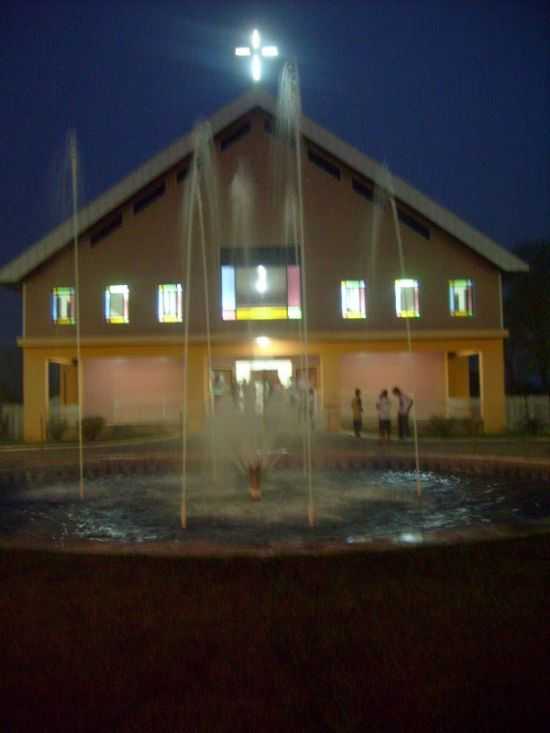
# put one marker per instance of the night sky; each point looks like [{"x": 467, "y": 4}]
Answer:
[{"x": 454, "y": 96}]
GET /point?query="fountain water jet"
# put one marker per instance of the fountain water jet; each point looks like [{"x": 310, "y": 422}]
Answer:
[
  {"x": 203, "y": 179},
  {"x": 74, "y": 160},
  {"x": 288, "y": 130},
  {"x": 254, "y": 441},
  {"x": 386, "y": 194}
]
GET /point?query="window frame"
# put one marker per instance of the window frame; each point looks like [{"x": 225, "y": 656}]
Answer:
[
  {"x": 56, "y": 293},
  {"x": 232, "y": 311},
  {"x": 400, "y": 312},
  {"x": 119, "y": 320},
  {"x": 361, "y": 286},
  {"x": 178, "y": 318},
  {"x": 468, "y": 312}
]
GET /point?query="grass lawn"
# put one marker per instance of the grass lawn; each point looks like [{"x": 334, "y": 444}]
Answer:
[{"x": 434, "y": 638}]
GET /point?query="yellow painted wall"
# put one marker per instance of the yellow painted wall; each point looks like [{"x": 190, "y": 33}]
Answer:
[
  {"x": 491, "y": 378},
  {"x": 35, "y": 394},
  {"x": 37, "y": 354},
  {"x": 68, "y": 387},
  {"x": 458, "y": 376}
]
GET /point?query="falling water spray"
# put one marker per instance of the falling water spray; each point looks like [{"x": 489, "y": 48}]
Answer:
[
  {"x": 289, "y": 121},
  {"x": 388, "y": 186},
  {"x": 73, "y": 154}
]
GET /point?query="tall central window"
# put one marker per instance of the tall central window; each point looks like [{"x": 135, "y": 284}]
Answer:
[{"x": 260, "y": 284}]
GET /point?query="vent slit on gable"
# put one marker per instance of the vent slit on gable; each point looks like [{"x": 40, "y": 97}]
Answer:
[
  {"x": 414, "y": 224},
  {"x": 149, "y": 197},
  {"x": 324, "y": 164},
  {"x": 106, "y": 228},
  {"x": 363, "y": 189},
  {"x": 235, "y": 135}
]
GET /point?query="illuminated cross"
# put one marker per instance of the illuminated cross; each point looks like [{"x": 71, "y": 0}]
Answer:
[{"x": 256, "y": 51}]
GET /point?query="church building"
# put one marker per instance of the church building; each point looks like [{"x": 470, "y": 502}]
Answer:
[{"x": 393, "y": 288}]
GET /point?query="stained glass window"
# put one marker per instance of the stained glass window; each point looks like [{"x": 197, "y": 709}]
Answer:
[
  {"x": 229, "y": 303},
  {"x": 169, "y": 303},
  {"x": 406, "y": 298},
  {"x": 261, "y": 292},
  {"x": 353, "y": 299},
  {"x": 461, "y": 298},
  {"x": 294, "y": 300},
  {"x": 116, "y": 303},
  {"x": 63, "y": 306}
]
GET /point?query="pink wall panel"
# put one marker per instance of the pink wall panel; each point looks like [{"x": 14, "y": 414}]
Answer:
[
  {"x": 133, "y": 390},
  {"x": 420, "y": 374}
]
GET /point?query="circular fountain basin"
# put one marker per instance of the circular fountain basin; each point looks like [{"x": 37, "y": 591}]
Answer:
[{"x": 364, "y": 507}]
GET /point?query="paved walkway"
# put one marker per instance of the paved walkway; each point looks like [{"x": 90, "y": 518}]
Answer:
[{"x": 505, "y": 451}]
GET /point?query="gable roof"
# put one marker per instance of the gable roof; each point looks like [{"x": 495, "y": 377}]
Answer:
[{"x": 16, "y": 270}]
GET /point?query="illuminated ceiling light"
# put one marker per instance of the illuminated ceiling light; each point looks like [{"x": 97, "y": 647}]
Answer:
[
  {"x": 256, "y": 51},
  {"x": 263, "y": 341}
]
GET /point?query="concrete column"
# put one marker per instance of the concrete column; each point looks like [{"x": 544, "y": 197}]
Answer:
[
  {"x": 68, "y": 388},
  {"x": 35, "y": 395},
  {"x": 458, "y": 376},
  {"x": 197, "y": 389},
  {"x": 330, "y": 389},
  {"x": 491, "y": 379}
]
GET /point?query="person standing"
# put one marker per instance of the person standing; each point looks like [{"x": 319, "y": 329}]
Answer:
[
  {"x": 383, "y": 409},
  {"x": 357, "y": 412},
  {"x": 311, "y": 406},
  {"x": 218, "y": 391},
  {"x": 405, "y": 404}
]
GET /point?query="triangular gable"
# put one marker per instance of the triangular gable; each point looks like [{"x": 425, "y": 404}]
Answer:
[{"x": 16, "y": 270}]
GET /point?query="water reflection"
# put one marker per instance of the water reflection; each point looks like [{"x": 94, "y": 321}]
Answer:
[{"x": 354, "y": 507}]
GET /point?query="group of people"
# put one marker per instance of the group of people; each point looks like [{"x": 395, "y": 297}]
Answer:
[
  {"x": 383, "y": 409},
  {"x": 250, "y": 396}
]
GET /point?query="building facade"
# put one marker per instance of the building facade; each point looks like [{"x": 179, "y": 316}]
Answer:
[{"x": 394, "y": 289}]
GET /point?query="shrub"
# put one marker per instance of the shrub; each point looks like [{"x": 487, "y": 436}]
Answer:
[
  {"x": 56, "y": 428},
  {"x": 121, "y": 432},
  {"x": 473, "y": 426},
  {"x": 533, "y": 426},
  {"x": 92, "y": 427},
  {"x": 440, "y": 427},
  {"x": 3, "y": 427}
]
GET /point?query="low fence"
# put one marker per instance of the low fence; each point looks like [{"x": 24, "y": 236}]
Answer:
[
  {"x": 528, "y": 412},
  {"x": 11, "y": 422}
]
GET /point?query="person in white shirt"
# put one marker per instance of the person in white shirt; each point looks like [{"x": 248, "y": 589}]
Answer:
[
  {"x": 405, "y": 404},
  {"x": 383, "y": 410}
]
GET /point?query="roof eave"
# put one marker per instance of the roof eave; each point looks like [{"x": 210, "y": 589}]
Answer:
[{"x": 16, "y": 270}]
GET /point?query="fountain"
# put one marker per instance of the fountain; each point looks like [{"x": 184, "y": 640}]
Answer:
[
  {"x": 247, "y": 439},
  {"x": 259, "y": 472}
]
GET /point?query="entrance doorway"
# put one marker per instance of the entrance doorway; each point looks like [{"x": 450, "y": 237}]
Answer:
[
  {"x": 244, "y": 370},
  {"x": 264, "y": 381},
  {"x": 263, "y": 375}
]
